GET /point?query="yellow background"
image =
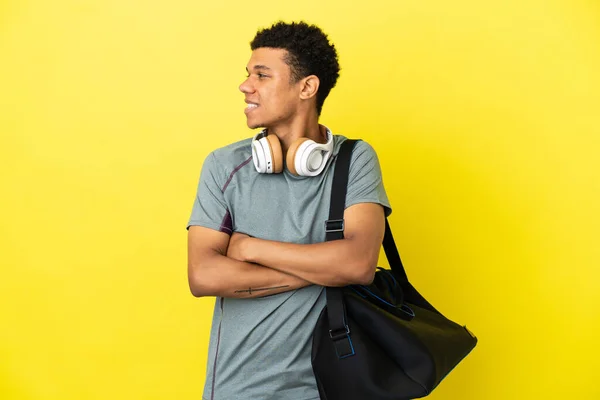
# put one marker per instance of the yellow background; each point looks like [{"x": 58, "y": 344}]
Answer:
[{"x": 485, "y": 116}]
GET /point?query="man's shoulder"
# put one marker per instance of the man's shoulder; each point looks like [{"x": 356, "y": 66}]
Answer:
[
  {"x": 232, "y": 155},
  {"x": 361, "y": 147}
]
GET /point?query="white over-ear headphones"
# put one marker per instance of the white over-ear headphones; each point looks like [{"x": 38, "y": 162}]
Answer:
[{"x": 305, "y": 157}]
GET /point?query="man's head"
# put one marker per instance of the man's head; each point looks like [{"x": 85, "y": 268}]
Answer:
[{"x": 292, "y": 65}]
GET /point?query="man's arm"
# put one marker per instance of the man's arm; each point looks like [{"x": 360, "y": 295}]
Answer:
[
  {"x": 352, "y": 260},
  {"x": 212, "y": 273}
]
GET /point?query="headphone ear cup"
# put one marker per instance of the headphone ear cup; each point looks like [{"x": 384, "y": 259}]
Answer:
[
  {"x": 259, "y": 156},
  {"x": 276, "y": 153},
  {"x": 290, "y": 158}
]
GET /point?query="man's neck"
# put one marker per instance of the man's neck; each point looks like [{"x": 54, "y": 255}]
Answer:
[{"x": 309, "y": 128}]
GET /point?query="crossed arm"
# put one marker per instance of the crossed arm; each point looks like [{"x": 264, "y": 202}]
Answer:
[{"x": 242, "y": 266}]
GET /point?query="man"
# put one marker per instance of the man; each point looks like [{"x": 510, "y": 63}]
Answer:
[{"x": 256, "y": 235}]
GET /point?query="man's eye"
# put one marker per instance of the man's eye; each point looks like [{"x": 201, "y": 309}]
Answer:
[{"x": 260, "y": 75}]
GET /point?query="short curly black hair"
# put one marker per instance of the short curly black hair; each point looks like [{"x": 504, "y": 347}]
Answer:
[{"x": 309, "y": 53}]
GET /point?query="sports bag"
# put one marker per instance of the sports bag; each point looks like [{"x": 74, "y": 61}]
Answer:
[{"x": 381, "y": 341}]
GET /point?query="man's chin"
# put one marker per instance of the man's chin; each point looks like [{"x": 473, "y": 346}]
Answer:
[{"x": 254, "y": 125}]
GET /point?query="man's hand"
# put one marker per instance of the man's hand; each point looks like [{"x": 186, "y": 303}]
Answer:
[{"x": 235, "y": 250}]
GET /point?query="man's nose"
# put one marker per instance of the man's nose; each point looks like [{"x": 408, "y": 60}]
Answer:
[{"x": 246, "y": 86}]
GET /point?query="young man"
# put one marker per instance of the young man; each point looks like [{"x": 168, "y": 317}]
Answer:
[{"x": 256, "y": 235}]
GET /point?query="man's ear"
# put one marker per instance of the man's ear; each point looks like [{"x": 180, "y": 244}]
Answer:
[{"x": 310, "y": 86}]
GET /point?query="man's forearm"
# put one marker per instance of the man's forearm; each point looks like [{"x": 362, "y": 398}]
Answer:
[
  {"x": 219, "y": 275},
  {"x": 334, "y": 263}
]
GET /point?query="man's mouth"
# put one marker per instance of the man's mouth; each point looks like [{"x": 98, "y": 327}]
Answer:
[{"x": 250, "y": 107}]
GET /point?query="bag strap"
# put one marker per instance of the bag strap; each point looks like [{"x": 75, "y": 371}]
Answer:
[
  {"x": 334, "y": 226},
  {"x": 391, "y": 253},
  {"x": 339, "y": 332}
]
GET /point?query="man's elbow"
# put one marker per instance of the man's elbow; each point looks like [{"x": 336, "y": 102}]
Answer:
[
  {"x": 366, "y": 274},
  {"x": 197, "y": 290},
  {"x": 364, "y": 271},
  {"x": 199, "y": 282}
]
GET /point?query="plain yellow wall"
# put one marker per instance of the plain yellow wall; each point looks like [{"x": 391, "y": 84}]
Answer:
[{"x": 485, "y": 116}]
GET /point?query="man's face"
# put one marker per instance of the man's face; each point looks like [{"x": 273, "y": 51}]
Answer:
[{"x": 271, "y": 98}]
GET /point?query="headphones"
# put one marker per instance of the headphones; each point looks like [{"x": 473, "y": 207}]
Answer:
[{"x": 305, "y": 157}]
